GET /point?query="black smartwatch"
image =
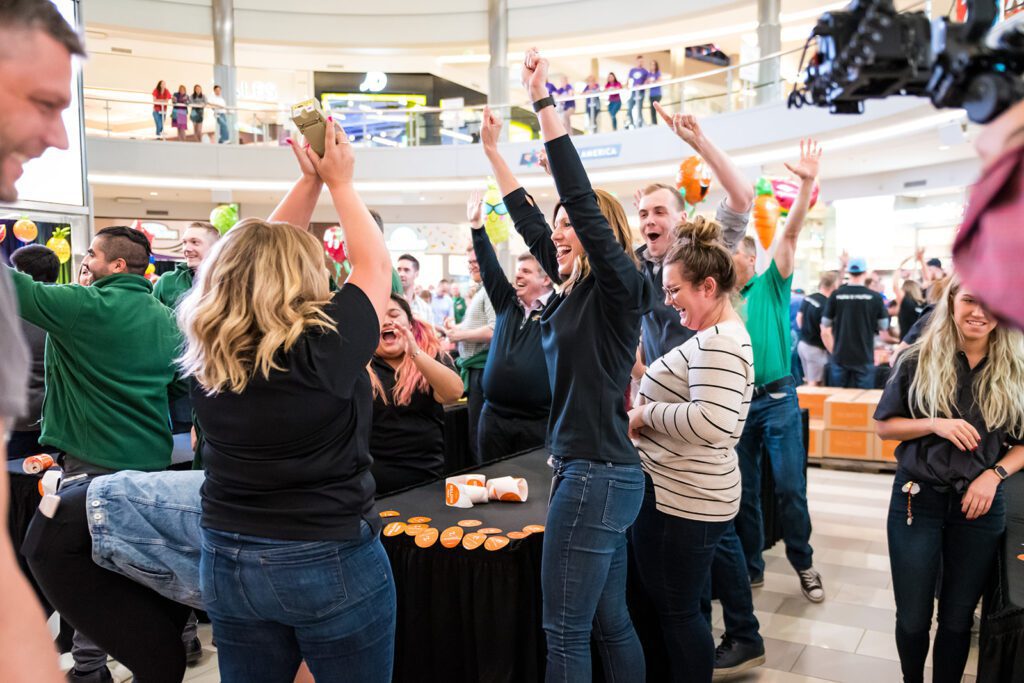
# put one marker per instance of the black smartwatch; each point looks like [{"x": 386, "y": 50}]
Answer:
[
  {"x": 1000, "y": 472},
  {"x": 548, "y": 101}
]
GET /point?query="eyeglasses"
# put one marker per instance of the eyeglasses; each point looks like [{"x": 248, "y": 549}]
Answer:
[{"x": 498, "y": 208}]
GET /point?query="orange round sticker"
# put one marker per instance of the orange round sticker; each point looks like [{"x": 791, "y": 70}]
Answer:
[
  {"x": 419, "y": 520},
  {"x": 468, "y": 523},
  {"x": 389, "y": 513},
  {"x": 394, "y": 528},
  {"x": 474, "y": 482},
  {"x": 451, "y": 536},
  {"x": 413, "y": 529},
  {"x": 534, "y": 528},
  {"x": 451, "y": 494},
  {"x": 427, "y": 538},
  {"x": 511, "y": 497},
  {"x": 495, "y": 543},
  {"x": 473, "y": 541},
  {"x": 488, "y": 531},
  {"x": 516, "y": 535}
]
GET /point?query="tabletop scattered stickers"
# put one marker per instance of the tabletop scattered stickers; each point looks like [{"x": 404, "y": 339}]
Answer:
[
  {"x": 489, "y": 531},
  {"x": 452, "y": 536},
  {"x": 427, "y": 538},
  {"x": 389, "y": 513},
  {"x": 473, "y": 541},
  {"x": 490, "y": 538}
]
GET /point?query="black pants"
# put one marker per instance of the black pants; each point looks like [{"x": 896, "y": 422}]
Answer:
[
  {"x": 475, "y": 399},
  {"x": 137, "y": 626},
  {"x": 24, "y": 444},
  {"x": 500, "y": 435}
]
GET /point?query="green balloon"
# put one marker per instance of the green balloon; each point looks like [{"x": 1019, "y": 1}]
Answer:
[{"x": 224, "y": 217}]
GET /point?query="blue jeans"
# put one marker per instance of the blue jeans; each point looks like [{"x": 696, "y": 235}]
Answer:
[
  {"x": 941, "y": 536},
  {"x": 158, "y": 119},
  {"x": 851, "y": 376},
  {"x": 613, "y": 111},
  {"x": 774, "y": 422},
  {"x": 274, "y": 603},
  {"x": 583, "y": 570},
  {"x": 731, "y": 580},
  {"x": 636, "y": 108},
  {"x": 222, "y": 128},
  {"x": 673, "y": 559}
]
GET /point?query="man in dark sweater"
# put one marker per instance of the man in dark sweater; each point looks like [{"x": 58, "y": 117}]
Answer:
[
  {"x": 853, "y": 316},
  {"x": 517, "y": 396}
]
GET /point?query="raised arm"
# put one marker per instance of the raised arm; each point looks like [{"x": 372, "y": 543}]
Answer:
[
  {"x": 371, "y": 263},
  {"x": 897, "y": 281},
  {"x": 738, "y": 190},
  {"x": 501, "y": 293},
  {"x": 54, "y": 308},
  {"x": 446, "y": 383},
  {"x": 298, "y": 205},
  {"x": 807, "y": 171},
  {"x": 490, "y": 131}
]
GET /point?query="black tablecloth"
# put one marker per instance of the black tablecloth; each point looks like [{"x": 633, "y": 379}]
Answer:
[
  {"x": 24, "y": 499},
  {"x": 1001, "y": 656},
  {"x": 457, "y": 455}
]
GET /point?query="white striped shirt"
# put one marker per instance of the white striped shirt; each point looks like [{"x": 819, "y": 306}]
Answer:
[{"x": 696, "y": 398}]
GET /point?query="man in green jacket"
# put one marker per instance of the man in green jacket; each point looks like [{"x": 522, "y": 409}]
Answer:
[
  {"x": 109, "y": 360},
  {"x": 196, "y": 243}
]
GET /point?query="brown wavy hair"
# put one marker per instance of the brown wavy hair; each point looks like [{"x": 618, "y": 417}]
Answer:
[
  {"x": 613, "y": 212},
  {"x": 702, "y": 254}
]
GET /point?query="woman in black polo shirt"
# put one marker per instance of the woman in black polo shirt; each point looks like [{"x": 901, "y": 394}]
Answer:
[
  {"x": 590, "y": 331},
  {"x": 415, "y": 378},
  {"x": 956, "y": 401},
  {"x": 292, "y": 567}
]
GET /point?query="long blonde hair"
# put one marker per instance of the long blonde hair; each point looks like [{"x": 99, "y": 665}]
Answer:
[
  {"x": 616, "y": 217},
  {"x": 261, "y": 287},
  {"x": 998, "y": 388}
]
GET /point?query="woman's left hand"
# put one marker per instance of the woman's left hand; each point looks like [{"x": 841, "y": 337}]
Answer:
[
  {"x": 978, "y": 499},
  {"x": 636, "y": 422},
  {"x": 411, "y": 347}
]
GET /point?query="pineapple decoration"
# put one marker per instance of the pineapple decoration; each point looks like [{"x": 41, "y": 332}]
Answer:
[
  {"x": 495, "y": 214},
  {"x": 60, "y": 245},
  {"x": 25, "y": 230},
  {"x": 766, "y": 213}
]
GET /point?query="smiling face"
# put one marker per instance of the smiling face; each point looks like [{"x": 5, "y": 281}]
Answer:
[
  {"x": 195, "y": 244},
  {"x": 471, "y": 263},
  {"x": 531, "y": 282},
  {"x": 697, "y": 304},
  {"x": 972, "y": 319},
  {"x": 407, "y": 272},
  {"x": 567, "y": 245},
  {"x": 98, "y": 264},
  {"x": 392, "y": 339},
  {"x": 660, "y": 212},
  {"x": 35, "y": 79}
]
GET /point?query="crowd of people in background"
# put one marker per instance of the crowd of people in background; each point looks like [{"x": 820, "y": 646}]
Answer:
[
  {"x": 181, "y": 108},
  {"x": 309, "y": 397},
  {"x": 641, "y": 74}
]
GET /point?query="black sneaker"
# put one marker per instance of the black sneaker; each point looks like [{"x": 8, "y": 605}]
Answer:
[
  {"x": 100, "y": 675},
  {"x": 810, "y": 584},
  {"x": 193, "y": 652},
  {"x": 733, "y": 657},
  {"x": 757, "y": 581}
]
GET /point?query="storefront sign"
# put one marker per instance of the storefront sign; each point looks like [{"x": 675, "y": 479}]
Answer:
[
  {"x": 375, "y": 81},
  {"x": 529, "y": 159}
]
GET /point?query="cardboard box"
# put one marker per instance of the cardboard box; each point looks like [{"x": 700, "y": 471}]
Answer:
[
  {"x": 813, "y": 399},
  {"x": 853, "y": 445},
  {"x": 816, "y": 435},
  {"x": 852, "y": 410},
  {"x": 885, "y": 450}
]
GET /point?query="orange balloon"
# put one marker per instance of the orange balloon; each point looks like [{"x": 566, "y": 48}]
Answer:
[
  {"x": 693, "y": 179},
  {"x": 766, "y": 216},
  {"x": 25, "y": 230}
]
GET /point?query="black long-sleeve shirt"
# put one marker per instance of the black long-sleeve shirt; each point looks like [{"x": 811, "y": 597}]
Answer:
[
  {"x": 516, "y": 375},
  {"x": 590, "y": 334}
]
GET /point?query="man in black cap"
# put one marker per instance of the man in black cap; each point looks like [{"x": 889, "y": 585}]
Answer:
[{"x": 853, "y": 315}]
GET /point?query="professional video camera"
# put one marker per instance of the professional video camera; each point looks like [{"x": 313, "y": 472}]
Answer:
[{"x": 871, "y": 51}]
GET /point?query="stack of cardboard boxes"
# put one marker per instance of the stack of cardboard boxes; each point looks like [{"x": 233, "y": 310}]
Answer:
[{"x": 842, "y": 424}]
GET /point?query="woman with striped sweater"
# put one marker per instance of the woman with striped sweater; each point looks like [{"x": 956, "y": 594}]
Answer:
[{"x": 692, "y": 405}]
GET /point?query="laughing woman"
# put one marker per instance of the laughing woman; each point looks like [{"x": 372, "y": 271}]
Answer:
[
  {"x": 956, "y": 401},
  {"x": 414, "y": 378},
  {"x": 589, "y": 331}
]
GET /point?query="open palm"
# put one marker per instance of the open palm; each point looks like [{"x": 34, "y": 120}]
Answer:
[{"x": 810, "y": 159}]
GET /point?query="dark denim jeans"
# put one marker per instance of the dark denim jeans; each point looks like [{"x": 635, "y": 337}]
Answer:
[
  {"x": 774, "y": 422},
  {"x": 274, "y": 603},
  {"x": 851, "y": 376},
  {"x": 583, "y": 570},
  {"x": 158, "y": 120},
  {"x": 966, "y": 551},
  {"x": 635, "y": 109},
  {"x": 731, "y": 580},
  {"x": 613, "y": 112},
  {"x": 673, "y": 559}
]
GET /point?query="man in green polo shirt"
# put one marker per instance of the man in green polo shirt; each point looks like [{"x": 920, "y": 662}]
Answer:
[
  {"x": 109, "y": 360},
  {"x": 196, "y": 243}
]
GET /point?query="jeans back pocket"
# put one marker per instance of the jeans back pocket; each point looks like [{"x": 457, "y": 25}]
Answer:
[
  {"x": 308, "y": 585},
  {"x": 622, "y": 504}
]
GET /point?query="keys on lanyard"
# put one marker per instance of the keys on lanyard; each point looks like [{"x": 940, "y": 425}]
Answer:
[{"x": 911, "y": 488}]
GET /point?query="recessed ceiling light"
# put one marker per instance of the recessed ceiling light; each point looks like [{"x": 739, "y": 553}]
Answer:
[{"x": 153, "y": 194}]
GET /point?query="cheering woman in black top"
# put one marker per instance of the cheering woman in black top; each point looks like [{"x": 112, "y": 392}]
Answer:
[
  {"x": 589, "y": 332},
  {"x": 956, "y": 400}
]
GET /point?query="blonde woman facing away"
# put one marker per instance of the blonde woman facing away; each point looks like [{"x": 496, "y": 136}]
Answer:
[
  {"x": 956, "y": 401},
  {"x": 292, "y": 567}
]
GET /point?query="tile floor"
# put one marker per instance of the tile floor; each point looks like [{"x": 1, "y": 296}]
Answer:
[{"x": 848, "y": 638}]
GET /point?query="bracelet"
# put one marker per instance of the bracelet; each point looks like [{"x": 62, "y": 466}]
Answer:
[
  {"x": 548, "y": 101},
  {"x": 415, "y": 353}
]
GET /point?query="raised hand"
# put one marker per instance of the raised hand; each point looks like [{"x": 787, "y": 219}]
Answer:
[
  {"x": 490, "y": 129},
  {"x": 542, "y": 161},
  {"x": 683, "y": 125},
  {"x": 474, "y": 208},
  {"x": 534, "y": 73},
  {"x": 305, "y": 165},
  {"x": 638, "y": 194},
  {"x": 810, "y": 157},
  {"x": 338, "y": 165},
  {"x": 411, "y": 347}
]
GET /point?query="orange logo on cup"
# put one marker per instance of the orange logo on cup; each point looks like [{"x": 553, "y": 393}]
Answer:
[
  {"x": 534, "y": 528},
  {"x": 413, "y": 529},
  {"x": 452, "y": 536},
  {"x": 495, "y": 543},
  {"x": 389, "y": 513},
  {"x": 488, "y": 531},
  {"x": 426, "y": 538},
  {"x": 451, "y": 494},
  {"x": 394, "y": 528},
  {"x": 516, "y": 535},
  {"x": 470, "y": 523},
  {"x": 473, "y": 481},
  {"x": 419, "y": 520},
  {"x": 511, "y": 498},
  {"x": 473, "y": 541}
]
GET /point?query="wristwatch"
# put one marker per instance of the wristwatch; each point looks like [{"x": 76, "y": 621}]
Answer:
[
  {"x": 548, "y": 101},
  {"x": 1000, "y": 472}
]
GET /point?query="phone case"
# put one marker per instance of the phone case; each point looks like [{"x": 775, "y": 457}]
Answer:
[{"x": 310, "y": 120}]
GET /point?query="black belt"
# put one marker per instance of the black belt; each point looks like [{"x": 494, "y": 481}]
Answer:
[{"x": 771, "y": 387}]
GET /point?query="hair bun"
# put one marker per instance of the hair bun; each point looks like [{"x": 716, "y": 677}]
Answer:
[{"x": 699, "y": 232}]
